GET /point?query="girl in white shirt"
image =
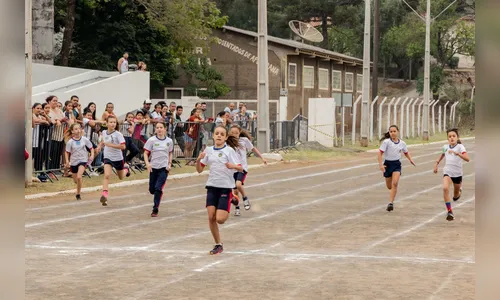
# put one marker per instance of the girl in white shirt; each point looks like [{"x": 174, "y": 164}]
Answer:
[
  {"x": 77, "y": 157},
  {"x": 223, "y": 160},
  {"x": 114, "y": 144},
  {"x": 245, "y": 144},
  {"x": 158, "y": 158},
  {"x": 455, "y": 153},
  {"x": 390, "y": 166}
]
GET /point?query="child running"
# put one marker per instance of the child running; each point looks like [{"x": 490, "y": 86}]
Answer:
[
  {"x": 452, "y": 172},
  {"x": 158, "y": 158},
  {"x": 223, "y": 160},
  {"x": 391, "y": 149},
  {"x": 245, "y": 144},
  {"x": 77, "y": 157},
  {"x": 114, "y": 144}
]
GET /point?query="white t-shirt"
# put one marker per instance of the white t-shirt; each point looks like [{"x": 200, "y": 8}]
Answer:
[
  {"x": 116, "y": 137},
  {"x": 78, "y": 150},
  {"x": 245, "y": 145},
  {"x": 159, "y": 151},
  {"x": 156, "y": 116},
  {"x": 220, "y": 176},
  {"x": 453, "y": 165},
  {"x": 392, "y": 150}
]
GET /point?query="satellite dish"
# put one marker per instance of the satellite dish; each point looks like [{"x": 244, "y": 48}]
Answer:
[{"x": 306, "y": 31}]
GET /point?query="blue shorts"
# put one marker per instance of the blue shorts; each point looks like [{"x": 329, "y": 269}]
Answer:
[
  {"x": 118, "y": 165},
  {"x": 219, "y": 197},
  {"x": 74, "y": 169},
  {"x": 391, "y": 166},
  {"x": 240, "y": 176}
]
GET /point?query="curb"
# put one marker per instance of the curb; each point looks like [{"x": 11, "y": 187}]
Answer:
[
  {"x": 130, "y": 183},
  {"x": 425, "y": 144}
]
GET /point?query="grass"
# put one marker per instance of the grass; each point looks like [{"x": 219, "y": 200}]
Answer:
[{"x": 68, "y": 184}]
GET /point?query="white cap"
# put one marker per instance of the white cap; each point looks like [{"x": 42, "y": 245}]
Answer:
[{"x": 147, "y": 101}]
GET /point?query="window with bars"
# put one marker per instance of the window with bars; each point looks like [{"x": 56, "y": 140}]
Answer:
[
  {"x": 336, "y": 80},
  {"x": 349, "y": 82},
  {"x": 323, "y": 79},
  {"x": 292, "y": 74},
  {"x": 308, "y": 80}
]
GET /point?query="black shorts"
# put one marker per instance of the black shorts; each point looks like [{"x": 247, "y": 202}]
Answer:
[
  {"x": 219, "y": 197},
  {"x": 391, "y": 166},
  {"x": 240, "y": 176},
  {"x": 74, "y": 169},
  {"x": 118, "y": 165},
  {"x": 455, "y": 180}
]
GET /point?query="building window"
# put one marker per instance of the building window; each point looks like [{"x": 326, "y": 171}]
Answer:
[
  {"x": 323, "y": 79},
  {"x": 308, "y": 80},
  {"x": 359, "y": 83},
  {"x": 349, "y": 82},
  {"x": 336, "y": 80},
  {"x": 292, "y": 74}
]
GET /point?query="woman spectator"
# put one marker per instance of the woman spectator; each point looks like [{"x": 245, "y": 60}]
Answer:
[
  {"x": 39, "y": 121},
  {"x": 59, "y": 120}
]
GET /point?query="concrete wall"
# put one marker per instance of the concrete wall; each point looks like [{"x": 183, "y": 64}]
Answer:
[
  {"x": 43, "y": 73},
  {"x": 127, "y": 91}
]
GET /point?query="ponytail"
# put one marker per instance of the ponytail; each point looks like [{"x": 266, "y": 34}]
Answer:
[
  {"x": 243, "y": 132},
  {"x": 233, "y": 142}
]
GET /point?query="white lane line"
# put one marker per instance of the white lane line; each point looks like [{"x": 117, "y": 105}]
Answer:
[
  {"x": 413, "y": 228},
  {"x": 109, "y": 211},
  {"x": 88, "y": 202},
  {"x": 447, "y": 281},
  {"x": 287, "y": 256}
]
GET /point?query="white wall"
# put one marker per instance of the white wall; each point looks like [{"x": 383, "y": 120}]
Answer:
[
  {"x": 43, "y": 73},
  {"x": 321, "y": 121},
  {"x": 126, "y": 91}
]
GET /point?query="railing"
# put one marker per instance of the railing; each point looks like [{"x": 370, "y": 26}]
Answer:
[{"x": 189, "y": 140}]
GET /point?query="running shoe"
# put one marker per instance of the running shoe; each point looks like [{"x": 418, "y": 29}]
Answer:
[
  {"x": 450, "y": 216},
  {"x": 104, "y": 200},
  {"x": 154, "y": 213},
  {"x": 459, "y": 195},
  {"x": 246, "y": 203},
  {"x": 390, "y": 207},
  {"x": 237, "y": 212},
  {"x": 128, "y": 171},
  {"x": 78, "y": 197},
  {"x": 217, "y": 249},
  {"x": 236, "y": 200}
]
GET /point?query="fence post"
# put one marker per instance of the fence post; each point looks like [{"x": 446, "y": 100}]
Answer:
[
  {"x": 433, "y": 117},
  {"x": 395, "y": 118},
  {"x": 419, "y": 117},
  {"x": 413, "y": 117},
  {"x": 380, "y": 108},
  {"x": 445, "y": 127},
  {"x": 439, "y": 118},
  {"x": 371, "y": 118},
  {"x": 408, "y": 118},
  {"x": 401, "y": 117},
  {"x": 354, "y": 111},
  {"x": 389, "y": 113}
]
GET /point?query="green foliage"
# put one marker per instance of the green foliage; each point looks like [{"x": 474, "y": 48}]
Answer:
[
  {"x": 202, "y": 75},
  {"x": 437, "y": 78}
]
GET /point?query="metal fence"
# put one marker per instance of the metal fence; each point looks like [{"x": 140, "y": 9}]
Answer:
[{"x": 189, "y": 140}]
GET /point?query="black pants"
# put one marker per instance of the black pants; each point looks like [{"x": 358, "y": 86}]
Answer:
[
  {"x": 157, "y": 180},
  {"x": 132, "y": 149},
  {"x": 56, "y": 151}
]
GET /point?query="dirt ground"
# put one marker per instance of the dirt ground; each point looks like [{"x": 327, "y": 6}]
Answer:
[{"x": 315, "y": 231}]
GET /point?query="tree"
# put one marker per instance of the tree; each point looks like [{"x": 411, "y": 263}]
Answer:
[
  {"x": 69, "y": 25},
  {"x": 189, "y": 23},
  {"x": 437, "y": 78},
  {"x": 203, "y": 79}
]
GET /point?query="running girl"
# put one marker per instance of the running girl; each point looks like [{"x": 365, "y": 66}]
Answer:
[
  {"x": 76, "y": 155},
  {"x": 245, "y": 144},
  {"x": 114, "y": 144},
  {"x": 158, "y": 158},
  {"x": 222, "y": 161},
  {"x": 391, "y": 149},
  {"x": 452, "y": 172}
]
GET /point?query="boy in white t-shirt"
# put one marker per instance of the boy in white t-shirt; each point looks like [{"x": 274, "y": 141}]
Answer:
[{"x": 455, "y": 154}]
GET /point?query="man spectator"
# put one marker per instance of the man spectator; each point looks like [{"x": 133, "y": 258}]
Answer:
[
  {"x": 179, "y": 128},
  {"x": 205, "y": 128},
  {"x": 230, "y": 108},
  {"x": 172, "y": 107},
  {"x": 146, "y": 109},
  {"x": 243, "y": 117},
  {"x": 77, "y": 109},
  {"x": 122, "y": 65},
  {"x": 57, "y": 118}
]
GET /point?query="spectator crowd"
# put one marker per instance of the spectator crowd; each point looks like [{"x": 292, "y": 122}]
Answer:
[{"x": 191, "y": 135}]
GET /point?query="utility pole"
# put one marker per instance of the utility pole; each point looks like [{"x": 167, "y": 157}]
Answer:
[
  {"x": 28, "y": 48},
  {"x": 376, "y": 46},
  {"x": 263, "y": 82},
  {"x": 365, "y": 108},
  {"x": 427, "y": 71}
]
